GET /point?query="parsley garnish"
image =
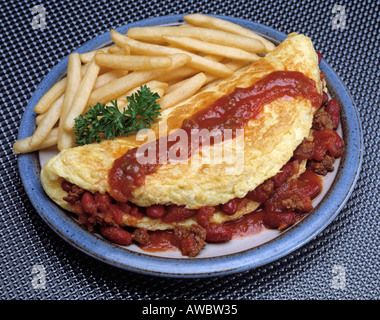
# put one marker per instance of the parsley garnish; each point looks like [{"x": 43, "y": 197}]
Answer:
[{"x": 109, "y": 122}]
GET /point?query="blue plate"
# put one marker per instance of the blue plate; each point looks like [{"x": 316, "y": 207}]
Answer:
[{"x": 65, "y": 226}]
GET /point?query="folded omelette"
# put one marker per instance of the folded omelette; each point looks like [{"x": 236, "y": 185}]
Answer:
[{"x": 269, "y": 140}]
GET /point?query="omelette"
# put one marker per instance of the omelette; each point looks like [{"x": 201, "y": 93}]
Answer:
[{"x": 265, "y": 143}]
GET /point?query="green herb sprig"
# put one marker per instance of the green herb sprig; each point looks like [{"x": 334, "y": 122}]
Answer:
[{"x": 109, "y": 122}]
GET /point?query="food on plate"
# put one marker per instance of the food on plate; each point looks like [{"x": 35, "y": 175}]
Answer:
[
  {"x": 128, "y": 62},
  {"x": 122, "y": 67},
  {"x": 154, "y": 34},
  {"x": 205, "y": 21},
  {"x": 217, "y": 151}
]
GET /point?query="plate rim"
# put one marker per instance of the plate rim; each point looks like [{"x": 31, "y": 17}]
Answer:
[{"x": 268, "y": 252}]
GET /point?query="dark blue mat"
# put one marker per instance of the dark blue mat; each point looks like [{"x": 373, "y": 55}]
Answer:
[{"x": 348, "y": 247}]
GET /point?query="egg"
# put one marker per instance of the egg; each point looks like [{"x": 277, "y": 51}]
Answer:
[{"x": 258, "y": 153}]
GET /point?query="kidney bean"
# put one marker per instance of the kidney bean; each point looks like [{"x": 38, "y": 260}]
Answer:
[
  {"x": 285, "y": 173},
  {"x": 230, "y": 207},
  {"x": 333, "y": 109},
  {"x": 155, "y": 211},
  {"x": 116, "y": 213},
  {"x": 177, "y": 213},
  {"x": 218, "y": 233},
  {"x": 102, "y": 201},
  {"x": 278, "y": 220},
  {"x": 117, "y": 235},
  {"x": 124, "y": 206},
  {"x": 66, "y": 186},
  {"x": 88, "y": 203},
  {"x": 309, "y": 188},
  {"x": 204, "y": 215},
  {"x": 327, "y": 140}
]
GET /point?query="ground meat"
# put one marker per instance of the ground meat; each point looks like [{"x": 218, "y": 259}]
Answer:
[
  {"x": 304, "y": 150},
  {"x": 294, "y": 196},
  {"x": 322, "y": 121},
  {"x": 279, "y": 220},
  {"x": 321, "y": 167},
  {"x": 267, "y": 186},
  {"x": 141, "y": 236},
  {"x": 297, "y": 203},
  {"x": 189, "y": 240},
  {"x": 74, "y": 194},
  {"x": 262, "y": 192}
]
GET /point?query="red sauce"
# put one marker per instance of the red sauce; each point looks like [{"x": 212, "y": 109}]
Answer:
[
  {"x": 248, "y": 225},
  {"x": 160, "y": 240},
  {"x": 309, "y": 175},
  {"x": 252, "y": 223},
  {"x": 295, "y": 195},
  {"x": 232, "y": 111},
  {"x": 327, "y": 140}
]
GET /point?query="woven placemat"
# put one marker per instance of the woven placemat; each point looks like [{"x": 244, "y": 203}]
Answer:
[{"x": 342, "y": 262}]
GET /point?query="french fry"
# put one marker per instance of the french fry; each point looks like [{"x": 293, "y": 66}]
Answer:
[
  {"x": 82, "y": 95},
  {"x": 88, "y": 56},
  {"x": 47, "y": 123},
  {"x": 182, "y": 92},
  {"x": 185, "y": 25},
  {"x": 23, "y": 146},
  {"x": 175, "y": 85},
  {"x": 39, "y": 118},
  {"x": 178, "y": 74},
  {"x": 149, "y": 34},
  {"x": 109, "y": 76},
  {"x": 114, "y": 49},
  {"x": 198, "y": 62},
  {"x": 202, "y": 20},
  {"x": 174, "y": 61},
  {"x": 159, "y": 90},
  {"x": 74, "y": 77},
  {"x": 210, "y": 84},
  {"x": 117, "y": 50},
  {"x": 211, "y": 48},
  {"x": 84, "y": 69},
  {"x": 50, "y": 96},
  {"x": 117, "y": 87},
  {"x": 128, "y": 62},
  {"x": 184, "y": 72},
  {"x": 154, "y": 86},
  {"x": 54, "y": 93}
]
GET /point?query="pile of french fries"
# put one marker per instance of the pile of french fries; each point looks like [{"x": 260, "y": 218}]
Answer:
[{"x": 174, "y": 61}]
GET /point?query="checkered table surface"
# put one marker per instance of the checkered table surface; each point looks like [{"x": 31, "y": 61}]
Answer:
[{"x": 350, "y": 243}]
